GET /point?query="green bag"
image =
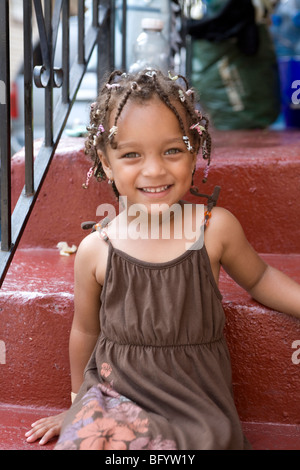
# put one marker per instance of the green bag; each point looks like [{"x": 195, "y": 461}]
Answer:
[{"x": 236, "y": 90}]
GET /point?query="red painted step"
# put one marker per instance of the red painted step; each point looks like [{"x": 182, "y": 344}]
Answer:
[
  {"x": 263, "y": 346},
  {"x": 16, "y": 421},
  {"x": 258, "y": 171},
  {"x": 36, "y": 313},
  {"x": 36, "y": 301}
]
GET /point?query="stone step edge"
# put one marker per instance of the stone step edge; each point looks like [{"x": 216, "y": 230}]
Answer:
[
  {"x": 260, "y": 340},
  {"x": 17, "y": 420}
]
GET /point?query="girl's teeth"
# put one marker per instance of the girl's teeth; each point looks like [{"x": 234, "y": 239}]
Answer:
[{"x": 155, "y": 190}]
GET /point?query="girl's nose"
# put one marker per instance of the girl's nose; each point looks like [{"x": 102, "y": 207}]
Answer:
[{"x": 154, "y": 166}]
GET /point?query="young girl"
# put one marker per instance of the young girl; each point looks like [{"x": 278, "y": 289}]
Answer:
[{"x": 152, "y": 369}]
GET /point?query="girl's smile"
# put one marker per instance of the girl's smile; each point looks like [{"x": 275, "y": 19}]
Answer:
[{"x": 156, "y": 192}]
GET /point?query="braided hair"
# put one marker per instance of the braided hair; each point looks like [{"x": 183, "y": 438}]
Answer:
[{"x": 120, "y": 87}]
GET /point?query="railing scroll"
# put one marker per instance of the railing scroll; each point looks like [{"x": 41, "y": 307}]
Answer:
[{"x": 49, "y": 15}]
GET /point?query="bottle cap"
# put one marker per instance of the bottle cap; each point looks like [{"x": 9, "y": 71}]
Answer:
[{"x": 152, "y": 23}]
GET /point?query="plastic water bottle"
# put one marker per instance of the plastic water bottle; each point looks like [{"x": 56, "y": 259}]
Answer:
[
  {"x": 135, "y": 12},
  {"x": 296, "y": 21},
  {"x": 286, "y": 34},
  {"x": 286, "y": 28},
  {"x": 151, "y": 48}
]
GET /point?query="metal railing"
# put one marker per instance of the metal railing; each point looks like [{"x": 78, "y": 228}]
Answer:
[
  {"x": 96, "y": 29},
  {"x": 49, "y": 15}
]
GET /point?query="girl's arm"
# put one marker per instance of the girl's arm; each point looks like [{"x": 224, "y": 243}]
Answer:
[
  {"x": 264, "y": 283},
  {"x": 278, "y": 291},
  {"x": 85, "y": 326},
  {"x": 90, "y": 266}
]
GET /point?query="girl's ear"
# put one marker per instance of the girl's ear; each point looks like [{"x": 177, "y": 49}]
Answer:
[{"x": 105, "y": 164}]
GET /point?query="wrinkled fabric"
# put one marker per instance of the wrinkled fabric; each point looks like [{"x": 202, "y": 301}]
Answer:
[{"x": 160, "y": 373}]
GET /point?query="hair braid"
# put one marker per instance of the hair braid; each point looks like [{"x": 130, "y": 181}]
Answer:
[
  {"x": 185, "y": 81},
  {"x": 119, "y": 110},
  {"x": 164, "y": 97}
]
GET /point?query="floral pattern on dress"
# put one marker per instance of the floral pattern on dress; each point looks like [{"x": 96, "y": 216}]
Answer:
[{"x": 108, "y": 420}]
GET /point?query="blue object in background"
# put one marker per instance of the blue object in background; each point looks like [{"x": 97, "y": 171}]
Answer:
[{"x": 289, "y": 70}]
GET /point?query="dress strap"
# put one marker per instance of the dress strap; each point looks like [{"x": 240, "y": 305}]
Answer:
[
  {"x": 97, "y": 226},
  {"x": 211, "y": 201}
]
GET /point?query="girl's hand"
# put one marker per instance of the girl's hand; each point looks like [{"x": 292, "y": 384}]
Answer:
[{"x": 45, "y": 428}]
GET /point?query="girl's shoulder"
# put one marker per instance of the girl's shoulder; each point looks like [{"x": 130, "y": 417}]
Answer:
[
  {"x": 91, "y": 256},
  {"x": 221, "y": 214},
  {"x": 223, "y": 230},
  {"x": 91, "y": 243},
  {"x": 224, "y": 217}
]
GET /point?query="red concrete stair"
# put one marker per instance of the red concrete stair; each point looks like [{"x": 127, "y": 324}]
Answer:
[
  {"x": 259, "y": 173},
  {"x": 16, "y": 421},
  {"x": 36, "y": 303}
]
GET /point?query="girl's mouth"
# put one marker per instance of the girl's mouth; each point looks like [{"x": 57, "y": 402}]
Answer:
[{"x": 157, "y": 189}]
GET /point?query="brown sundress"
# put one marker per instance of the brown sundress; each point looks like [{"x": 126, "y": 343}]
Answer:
[{"x": 160, "y": 373}]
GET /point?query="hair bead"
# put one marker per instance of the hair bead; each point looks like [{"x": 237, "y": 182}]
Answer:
[
  {"x": 88, "y": 177},
  {"x": 112, "y": 132},
  {"x": 173, "y": 78},
  {"x": 112, "y": 86},
  {"x": 181, "y": 96},
  {"x": 200, "y": 129},
  {"x": 135, "y": 86},
  {"x": 186, "y": 140}
]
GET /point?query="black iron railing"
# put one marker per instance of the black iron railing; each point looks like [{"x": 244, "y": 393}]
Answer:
[
  {"x": 101, "y": 25},
  {"x": 50, "y": 15}
]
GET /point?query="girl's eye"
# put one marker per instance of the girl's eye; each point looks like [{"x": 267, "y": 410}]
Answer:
[
  {"x": 131, "y": 155},
  {"x": 172, "y": 151}
]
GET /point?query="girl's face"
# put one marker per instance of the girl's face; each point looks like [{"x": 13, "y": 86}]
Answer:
[{"x": 151, "y": 164}]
